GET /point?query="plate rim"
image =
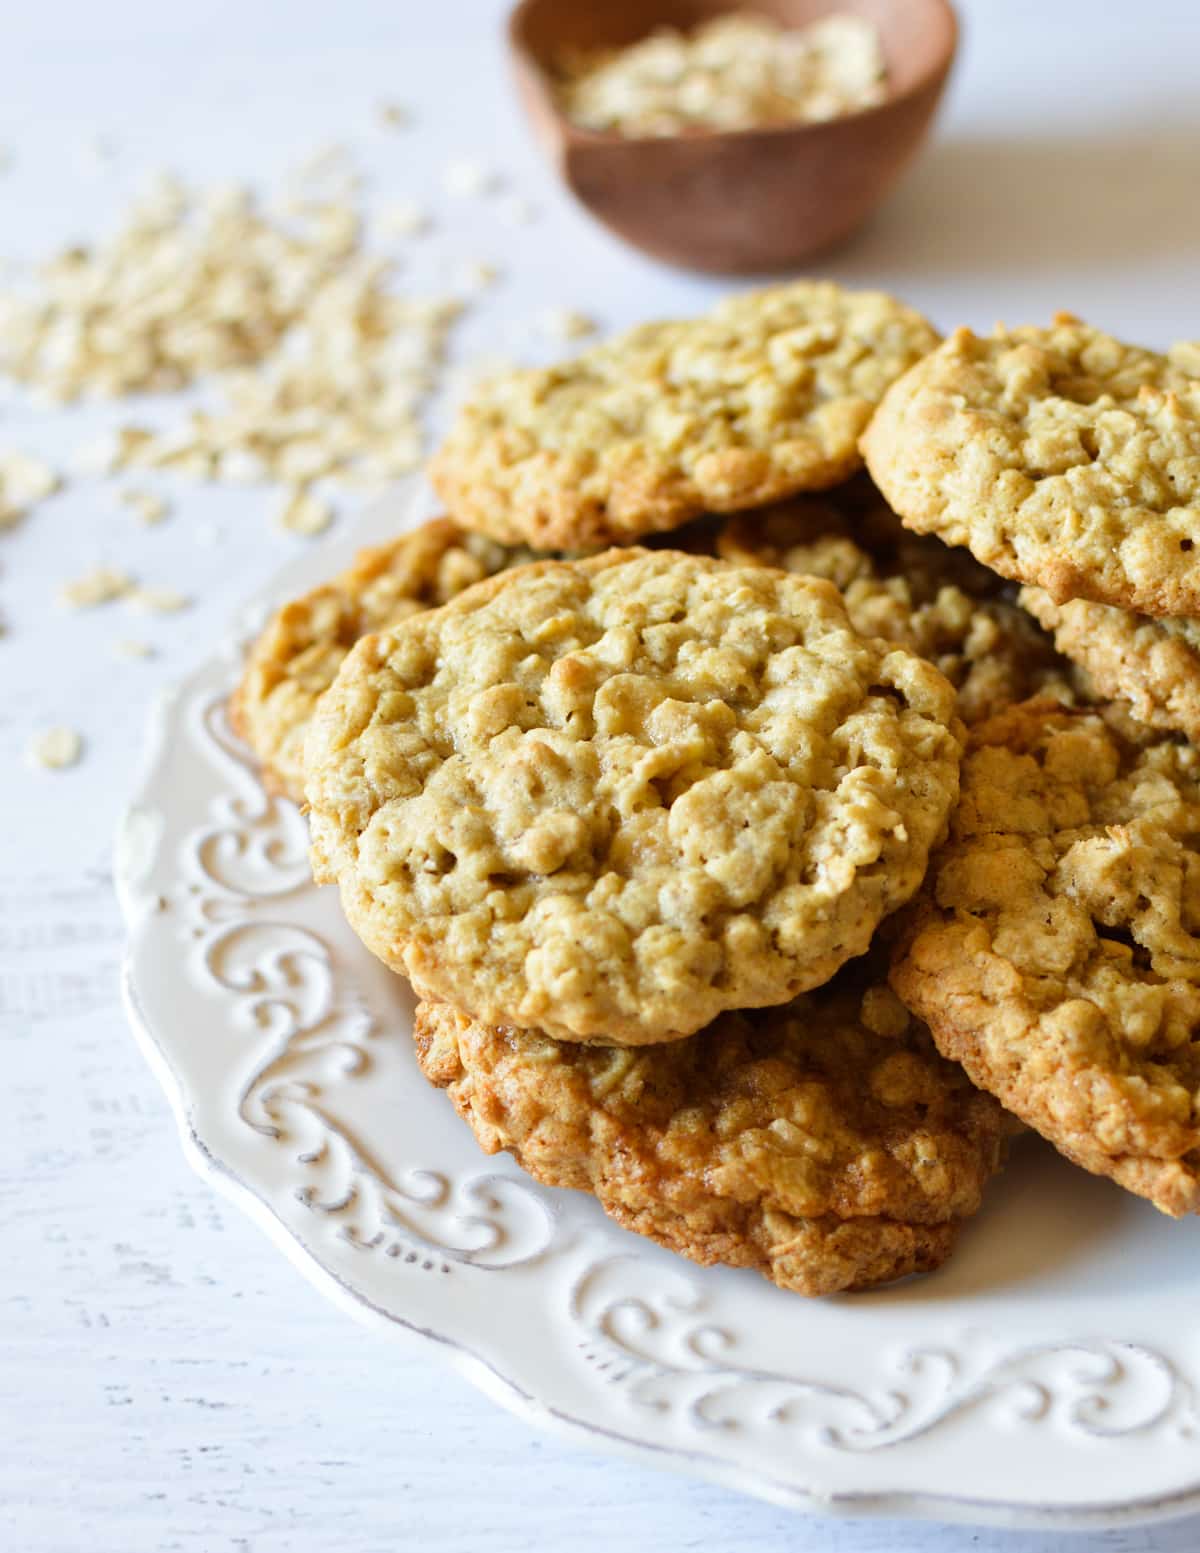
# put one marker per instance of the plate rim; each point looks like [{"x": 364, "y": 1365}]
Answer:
[{"x": 479, "y": 1371}]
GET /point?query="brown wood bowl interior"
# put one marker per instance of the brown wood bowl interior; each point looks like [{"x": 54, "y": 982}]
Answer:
[{"x": 747, "y": 200}]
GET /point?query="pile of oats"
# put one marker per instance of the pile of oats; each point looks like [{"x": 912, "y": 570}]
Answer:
[
  {"x": 307, "y": 369},
  {"x": 319, "y": 368},
  {"x": 734, "y": 72}
]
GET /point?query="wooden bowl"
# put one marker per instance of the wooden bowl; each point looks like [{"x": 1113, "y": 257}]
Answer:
[{"x": 745, "y": 200}]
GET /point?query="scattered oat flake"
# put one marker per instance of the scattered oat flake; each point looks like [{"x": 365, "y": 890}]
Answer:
[
  {"x": 111, "y": 451},
  {"x": 56, "y": 748},
  {"x": 133, "y": 649},
  {"x": 101, "y": 585},
  {"x": 465, "y": 178},
  {"x": 158, "y": 600},
  {"x": 24, "y": 481},
  {"x": 565, "y": 323},
  {"x": 304, "y": 513},
  {"x": 146, "y": 506},
  {"x": 393, "y": 115}
]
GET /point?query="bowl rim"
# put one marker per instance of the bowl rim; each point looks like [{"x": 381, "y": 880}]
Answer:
[{"x": 578, "y": 134}]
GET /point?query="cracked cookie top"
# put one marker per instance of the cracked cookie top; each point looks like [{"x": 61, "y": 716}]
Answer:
[
  {"x": 765, "y": 395},
  {"x": 610, "y": 798},
  {"x": 910, "y": 589},
  {"x": 295, "y": 658},
  {"x": 1061, "y": 457}
]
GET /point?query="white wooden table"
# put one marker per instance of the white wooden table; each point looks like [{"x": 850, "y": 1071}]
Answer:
[{"x": 167, "y": 1381}]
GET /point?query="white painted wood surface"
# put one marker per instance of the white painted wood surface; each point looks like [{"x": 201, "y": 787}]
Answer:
[{"x": 166, "y": 1380}]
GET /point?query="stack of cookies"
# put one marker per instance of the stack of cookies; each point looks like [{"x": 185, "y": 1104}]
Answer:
[
  {"x": 644, "y": 768},
  {"x": 1055, "y": 950}
]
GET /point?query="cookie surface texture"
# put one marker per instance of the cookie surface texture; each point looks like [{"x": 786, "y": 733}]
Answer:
[
  {"x": 825, "y": 1143},
  {"x": 297, "y": 655},
  {"x": 765, "y": 395},
  {"x": 610, "y": 798},
  {"x": 1152, "y": 665},
  {"x": 909, "y": 588},
  {"x": 1060, "y": 457},
  {"x": 1055, "y": 949}
]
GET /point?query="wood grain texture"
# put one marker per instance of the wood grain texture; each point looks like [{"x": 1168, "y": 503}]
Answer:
[{"x": 167, "y": 1382}]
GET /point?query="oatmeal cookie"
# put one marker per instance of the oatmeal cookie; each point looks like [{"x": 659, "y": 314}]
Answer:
[
  {"x": 296, "y": 657},
  {"x": 824, "y": 1143},
  {"x": 910, "y": 589},
  {"x": 1060, "y": 457},
  {"x": 1153, "y": 666},
  {"x": 1055, "y": 950},
  {"x": 610, "y": 798},
  {"x": 764, "y": 396}
]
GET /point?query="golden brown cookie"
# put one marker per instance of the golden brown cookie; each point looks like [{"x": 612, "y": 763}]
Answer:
[
  {"x": 764, "y": 396},
  {"x": 1153, "y": 666},
  {"x": 849, "y": 532},
  {"x": 294, "y": 660},
  {"x": 1055, "y": 950},
  {"x": 611, "y": 798},
  {"x": 825, "y": 1143},
  {"x": 910, "y": 589},
  {"x": 1061, "y": 457}
]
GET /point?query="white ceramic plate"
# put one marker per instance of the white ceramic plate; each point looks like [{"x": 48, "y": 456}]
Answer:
[{"x": 1048, "y": 1375}]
